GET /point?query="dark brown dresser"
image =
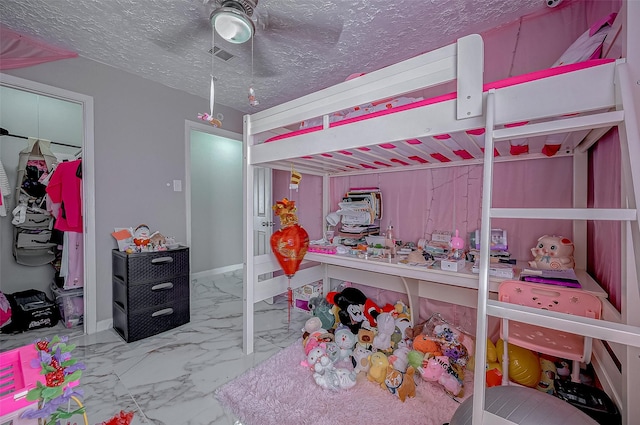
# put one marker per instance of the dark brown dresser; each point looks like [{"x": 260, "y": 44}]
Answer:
[{"x": 150, "y": 292}]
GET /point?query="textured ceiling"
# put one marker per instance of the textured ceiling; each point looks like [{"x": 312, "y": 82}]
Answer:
[{"x": 300, "y": 45}]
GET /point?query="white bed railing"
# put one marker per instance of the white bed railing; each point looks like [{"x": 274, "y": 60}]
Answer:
[{"x": 462, "y": 61}]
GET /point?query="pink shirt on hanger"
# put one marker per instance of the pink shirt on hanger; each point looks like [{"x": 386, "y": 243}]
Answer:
[{"x": 65, "y": 188}]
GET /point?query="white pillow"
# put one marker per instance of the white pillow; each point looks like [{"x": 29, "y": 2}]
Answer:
[{"x": 589, "y": 44}]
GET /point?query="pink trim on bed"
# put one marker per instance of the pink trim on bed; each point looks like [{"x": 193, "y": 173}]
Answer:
[
  {"x": 518, "y": 149},
  {"x": 463, "y": 153},
  {"x": 368, "y": 166},
  {"x": 381, "y": 164},
  {"x": 442, "y": 137},
  {"x": 440, "y": 157},
  {"x": 550, "y": 150},
  {"x": 327, "y": 155},
  {"x": 532, "y": 76},
  {"x": 345, "y": 152},
  {"x": 294, "y": 133},
  {"x": 364, "y": 149},
  {"x": 516, "y": 124},
  {"x": 418, "y": 159},
  {"x": 387, "y": 146},
  {"x": 414, "y": 142},
  {"x": 398, "y": 161},
  {"x": 476, "y": 132},
  {"x": 607, "y": 20}
]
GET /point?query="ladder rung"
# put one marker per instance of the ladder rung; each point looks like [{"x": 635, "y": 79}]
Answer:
[
  {"x": 613, "y": 214},
  {"x": 565, "y": 125}
]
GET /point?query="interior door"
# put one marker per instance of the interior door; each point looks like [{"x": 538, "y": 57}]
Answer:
[{"x": 262, "y": 213}]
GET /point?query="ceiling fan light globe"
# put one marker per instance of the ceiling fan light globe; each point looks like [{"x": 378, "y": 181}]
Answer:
[{"x": 232, "y": 25}]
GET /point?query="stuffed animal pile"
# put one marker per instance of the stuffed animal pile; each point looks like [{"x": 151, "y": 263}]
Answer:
[{"x": 350, "y": 335}]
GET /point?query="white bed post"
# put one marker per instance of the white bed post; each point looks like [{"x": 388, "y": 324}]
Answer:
[
  {"x": 479, "y": 378},
  {"x": 630, "y": 150},
  {"x": 629, "y": 73},
  {"x": 326, "y": 209},
  {"x": 580, "y": 194},
  {"x": 249, "y": 267}
]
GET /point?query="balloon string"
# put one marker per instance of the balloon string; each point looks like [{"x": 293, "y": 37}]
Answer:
[{"x": 289, "y": 303}]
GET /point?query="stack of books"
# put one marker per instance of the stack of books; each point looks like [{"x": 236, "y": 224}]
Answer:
[
  {"x": 565, "y": 277},
  {"x": 504, "y": 270}
]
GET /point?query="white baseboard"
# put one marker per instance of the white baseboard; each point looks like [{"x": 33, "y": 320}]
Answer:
[
  {"x": 216, "y": 271},
  {"x": 103, "y": 325}
]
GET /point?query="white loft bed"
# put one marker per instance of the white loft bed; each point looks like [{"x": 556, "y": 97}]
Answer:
[{"x": 580, "y": 105}]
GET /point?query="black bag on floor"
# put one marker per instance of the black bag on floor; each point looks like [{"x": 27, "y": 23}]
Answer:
[{"x": 30, "y": 309}]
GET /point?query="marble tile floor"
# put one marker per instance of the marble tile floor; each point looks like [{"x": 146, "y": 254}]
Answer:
[{"x": 170, "y": 378}]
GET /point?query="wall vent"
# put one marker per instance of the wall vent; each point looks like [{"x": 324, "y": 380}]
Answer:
[{"x": 221, "y": 53}]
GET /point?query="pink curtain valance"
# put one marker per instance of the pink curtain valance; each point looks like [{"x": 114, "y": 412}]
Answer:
[{"x": 19, "y": 50}]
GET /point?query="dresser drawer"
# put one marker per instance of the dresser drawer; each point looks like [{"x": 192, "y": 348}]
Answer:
[
  {"x": 145, "y": 295},
  {"x": 141, "y": 267},
  {"x": 150, "y": 321}
]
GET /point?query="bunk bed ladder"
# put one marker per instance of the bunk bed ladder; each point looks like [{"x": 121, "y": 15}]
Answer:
[{"x": 627, "y": 332}]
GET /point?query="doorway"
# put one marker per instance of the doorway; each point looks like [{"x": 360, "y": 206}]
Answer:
[
  {"x": 88, "y": 182},
  {"x": 213, "y": 185}
]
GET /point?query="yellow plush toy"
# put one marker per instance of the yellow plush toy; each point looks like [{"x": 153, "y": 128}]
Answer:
[{"x": 378, "y": 367}]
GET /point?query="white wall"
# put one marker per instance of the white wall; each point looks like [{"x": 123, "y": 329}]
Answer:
[
  {"x": 28, "y": 114},
  {"x": 216, "y": 202},
  {"x": 139, "y": 148}
]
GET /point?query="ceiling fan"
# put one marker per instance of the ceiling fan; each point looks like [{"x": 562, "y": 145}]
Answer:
[
  {"x": 231, "y": 19},
  {"x": 254, "y": 33}
]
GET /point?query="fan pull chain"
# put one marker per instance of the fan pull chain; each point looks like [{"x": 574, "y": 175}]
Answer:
[
  {"x": 213, "y": 55},
  {"x": 253, "y": 101}
]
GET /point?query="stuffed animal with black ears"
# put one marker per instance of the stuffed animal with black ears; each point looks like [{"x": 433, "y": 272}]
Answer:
[{"x": 354, "y": 308}]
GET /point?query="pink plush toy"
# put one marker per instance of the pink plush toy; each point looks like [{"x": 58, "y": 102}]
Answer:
[
  {"x": 438, "y": 369},
  {"x": 553, "y": 252}
]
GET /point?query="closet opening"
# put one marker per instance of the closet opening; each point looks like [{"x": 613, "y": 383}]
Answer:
[{"x": 31, "y": 111}]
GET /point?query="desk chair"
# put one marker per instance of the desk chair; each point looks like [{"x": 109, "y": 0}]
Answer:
[{"x": 544, "y": 340}]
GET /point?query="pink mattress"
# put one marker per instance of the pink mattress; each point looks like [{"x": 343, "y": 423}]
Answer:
[{"x": 517, "y": 146}]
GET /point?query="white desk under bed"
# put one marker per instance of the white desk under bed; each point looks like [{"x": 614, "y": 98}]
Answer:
[{"x": 460, "y": 288}]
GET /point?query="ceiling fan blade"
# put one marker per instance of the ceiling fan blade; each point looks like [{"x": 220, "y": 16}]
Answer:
[
  {"x": 178, "y": 39},
  {"x": 317, "y": 28},
  {"x": 186, "y": 28}
]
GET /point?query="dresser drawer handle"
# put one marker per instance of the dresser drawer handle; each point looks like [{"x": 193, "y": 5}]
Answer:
[
  {"x": 162, "y": 260},
  {"x": 161, "y": 286},
  {"x": 163, "y": 312}
]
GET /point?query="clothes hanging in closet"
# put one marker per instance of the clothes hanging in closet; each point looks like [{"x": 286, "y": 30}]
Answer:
[
  {"x": 65, "y": 188},
  {"x": 5, "y": 190},
  {"x": 64, "y": 191}
]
